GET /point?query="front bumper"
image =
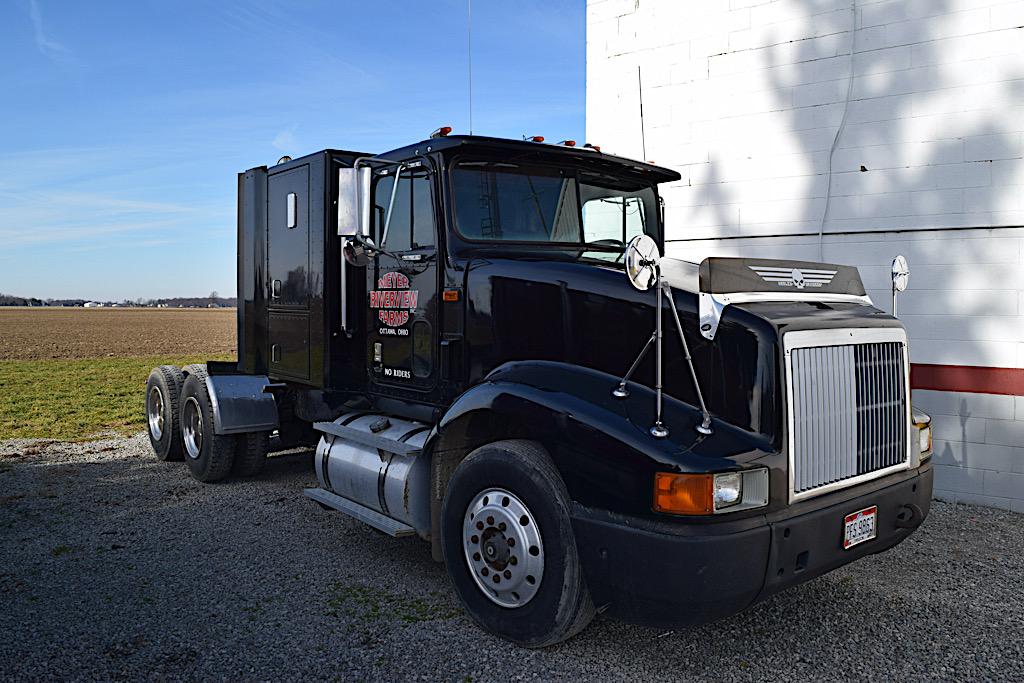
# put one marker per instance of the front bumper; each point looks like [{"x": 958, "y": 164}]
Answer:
[{"x": 673, "y": 574}]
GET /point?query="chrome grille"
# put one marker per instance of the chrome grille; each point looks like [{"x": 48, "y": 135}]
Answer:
[{"x": 849, "y": 409}]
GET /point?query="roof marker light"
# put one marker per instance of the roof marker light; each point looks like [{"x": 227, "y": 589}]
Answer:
[
  {"x": 593, "y": 147},
  {"x": 441, "y": 132},
  {"x": 534, "y": 138},
  {"x": 568, "y": 143}
]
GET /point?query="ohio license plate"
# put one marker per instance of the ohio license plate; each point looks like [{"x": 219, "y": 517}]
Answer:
[{"x": 860, "y": 526}]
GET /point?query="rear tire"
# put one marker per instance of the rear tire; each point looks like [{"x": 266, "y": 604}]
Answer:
[
  {"x": 163, "y": 391},
  {"x": 251, "y": 454},
  {"x": 194, "y": 368},
  {"x": 509, "y": 547},
  {"x": 209, "y": 455}
]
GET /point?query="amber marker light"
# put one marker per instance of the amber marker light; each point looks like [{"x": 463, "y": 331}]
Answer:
[
  {"x": 451, "y": 295},
  {"x": 684, "y": 494}
]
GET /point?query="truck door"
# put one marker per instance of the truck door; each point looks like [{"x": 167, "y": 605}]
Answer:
[
  {"x": 288, "y": 273},
  {"x": 402, "y": 312}
]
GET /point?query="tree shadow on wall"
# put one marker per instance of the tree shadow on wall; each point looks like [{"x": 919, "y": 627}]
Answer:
[{"x": 913, "y": 136}]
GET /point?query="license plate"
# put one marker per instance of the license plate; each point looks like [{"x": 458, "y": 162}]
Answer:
[{"x": 860, "y": 526}]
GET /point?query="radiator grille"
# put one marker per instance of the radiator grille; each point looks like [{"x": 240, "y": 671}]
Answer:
[{"x": 849, "y": 412}]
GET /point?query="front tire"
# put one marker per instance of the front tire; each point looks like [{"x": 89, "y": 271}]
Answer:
[
  {"x": 163, "y": 390},
  {"x": 509, "y": 547},
  {"x": 209, "y": 455}
]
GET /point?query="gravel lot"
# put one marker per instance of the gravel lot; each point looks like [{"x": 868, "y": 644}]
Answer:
[{"x": 113, "y": 565}]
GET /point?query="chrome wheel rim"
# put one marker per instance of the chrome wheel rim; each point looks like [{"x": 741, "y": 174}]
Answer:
[
  {"x": 503, "y": 547},
  {"x": 192, "y": 427},
  {"x": 155, "y": 413}
]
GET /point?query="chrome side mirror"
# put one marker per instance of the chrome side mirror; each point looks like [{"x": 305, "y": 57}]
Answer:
[
  {"x": 642, "y": 261},
  {"x": 354, "y": 201},
  {"x": 900, "y": 278}
]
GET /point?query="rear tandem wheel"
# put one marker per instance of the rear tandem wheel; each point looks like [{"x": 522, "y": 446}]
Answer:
[
  {"x": 163, "y": 391},
  {"x": 209, "y": 455}
]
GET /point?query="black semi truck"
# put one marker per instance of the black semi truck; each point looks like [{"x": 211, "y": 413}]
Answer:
[{"x": 482, "y": 340}]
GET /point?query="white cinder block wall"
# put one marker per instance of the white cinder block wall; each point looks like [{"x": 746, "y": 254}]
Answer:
[{"x": 850, "y": 132}]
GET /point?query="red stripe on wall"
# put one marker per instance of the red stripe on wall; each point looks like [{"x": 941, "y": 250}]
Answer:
[{"x": 967, "y": 378}]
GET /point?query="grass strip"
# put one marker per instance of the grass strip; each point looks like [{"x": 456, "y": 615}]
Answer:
[{"x": 75, "y": 399}]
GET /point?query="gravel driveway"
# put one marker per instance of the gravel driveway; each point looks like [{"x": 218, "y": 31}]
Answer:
[{"x": 113, "y": 565}]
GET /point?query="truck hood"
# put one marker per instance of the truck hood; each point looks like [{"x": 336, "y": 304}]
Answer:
[{"x": 588, "y": 314}]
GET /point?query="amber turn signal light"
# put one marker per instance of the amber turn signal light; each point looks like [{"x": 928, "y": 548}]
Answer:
[
  {"x": 451, "y": 295},
  {"x": 684, "y": 494}
]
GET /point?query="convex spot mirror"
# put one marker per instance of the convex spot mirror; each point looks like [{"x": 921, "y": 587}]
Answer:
[
  {"x": 356, "y": 252},
  {"x": 642, "y": 258},
  {"x": 354, "y": 201},
  {"x": 900, "y": 273}
]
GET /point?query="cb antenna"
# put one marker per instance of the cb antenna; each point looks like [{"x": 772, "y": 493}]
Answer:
[
  {"x": 469, "y": 53},
  {"x": 640, "y": 89}
]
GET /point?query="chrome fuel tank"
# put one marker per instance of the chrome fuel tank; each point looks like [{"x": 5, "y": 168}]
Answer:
[{"x": 376, "y": 461}]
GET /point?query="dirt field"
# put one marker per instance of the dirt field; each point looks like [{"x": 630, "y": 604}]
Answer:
[
  {"x": 62, "y": 333},
  {"x": 71, "y": 373}
]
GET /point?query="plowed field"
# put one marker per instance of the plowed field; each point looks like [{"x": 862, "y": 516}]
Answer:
[
  {"x": 61, "y": 333},
  {"x": 71, "y": 373}
]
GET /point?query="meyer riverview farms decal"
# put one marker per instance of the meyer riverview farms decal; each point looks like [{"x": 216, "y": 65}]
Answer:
[{"x": 393, "y": 301}]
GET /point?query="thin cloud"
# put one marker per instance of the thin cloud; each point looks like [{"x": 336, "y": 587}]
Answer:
[
  {"x": 285, "y": 140},
  {"x": 47, "y": 46}
]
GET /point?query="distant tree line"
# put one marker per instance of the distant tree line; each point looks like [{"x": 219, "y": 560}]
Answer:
[
  {"x": 212, "y": 301},
  {"x": 8, "y": 300}
]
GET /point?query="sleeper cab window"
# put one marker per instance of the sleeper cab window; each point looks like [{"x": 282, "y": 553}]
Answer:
[
  {"x": 412, "y": 212},
  {"x": 292, "y": 209}
]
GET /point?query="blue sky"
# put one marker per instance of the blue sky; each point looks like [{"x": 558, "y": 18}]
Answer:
[{"x": 123, "y": 125}]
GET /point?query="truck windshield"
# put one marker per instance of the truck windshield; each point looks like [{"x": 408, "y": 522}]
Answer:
[{"x": 513, "y": 203}]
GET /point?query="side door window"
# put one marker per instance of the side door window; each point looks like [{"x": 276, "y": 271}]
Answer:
[{"x": 411, "y": 226}]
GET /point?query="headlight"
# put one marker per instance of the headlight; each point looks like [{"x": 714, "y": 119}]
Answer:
[
  {"x": 710, "y": 494},
  {"x": 923, "y": 424},
  {"x": 924, "y": 440},
  {"x": 728, "y": 489}
]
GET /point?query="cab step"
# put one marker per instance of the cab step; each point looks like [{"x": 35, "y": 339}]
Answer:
[{"x": 392, "y": 527}]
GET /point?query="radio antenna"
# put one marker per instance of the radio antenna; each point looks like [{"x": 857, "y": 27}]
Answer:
[
  {"x": 640, "y": 89},
  {"x": 469, "y": 53}
]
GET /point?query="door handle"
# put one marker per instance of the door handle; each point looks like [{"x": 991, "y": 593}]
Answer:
[
  {"x": 275, "y": 289},
  {"x": 446, "y": 362}
]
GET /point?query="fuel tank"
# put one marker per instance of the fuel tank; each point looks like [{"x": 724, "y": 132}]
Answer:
[{"x": 376, "y": 461}]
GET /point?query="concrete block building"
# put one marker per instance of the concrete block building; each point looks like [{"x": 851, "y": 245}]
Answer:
[{"x": 850, "y": 131}]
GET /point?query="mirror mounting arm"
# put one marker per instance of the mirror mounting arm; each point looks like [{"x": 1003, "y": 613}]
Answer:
[
  {"x": 643, "y": 268},
  {"x": 705, "y": 425},
  {"x": 391, "y": 203}
]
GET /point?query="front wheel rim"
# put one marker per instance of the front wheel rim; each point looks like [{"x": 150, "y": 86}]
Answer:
[
  {"x": 155, "y": 413},
  {"x": 503, "y": 549},
  {"x": 192, "y": 427}
]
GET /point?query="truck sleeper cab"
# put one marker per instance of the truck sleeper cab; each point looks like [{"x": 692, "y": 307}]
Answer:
[{"x": 453, "y": 325}]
